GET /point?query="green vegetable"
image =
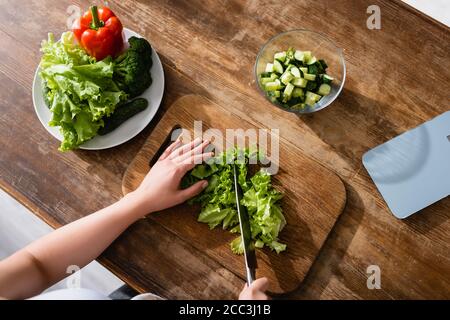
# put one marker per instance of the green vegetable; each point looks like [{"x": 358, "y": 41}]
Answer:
[
  {"x": 311, "y": 98},
  {"x": 46, "y": 93},
  {"x": 218, "y": 200},
  {"x": 289, "y": 73},
  {"x": 324, "y": 89},
  {"x": 277, "y": 67},
  {"x": 132, "y": 69},
  {"x": 80, "y": 92},
  {"x": 280, "y": 56},
  {"x": 122, "y": 114}
]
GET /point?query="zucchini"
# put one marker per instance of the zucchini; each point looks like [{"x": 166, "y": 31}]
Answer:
[
  {"x": 122, "y": 114},
  {"x": 324, "y": 89},
  {"x": 269, "y": 67}
]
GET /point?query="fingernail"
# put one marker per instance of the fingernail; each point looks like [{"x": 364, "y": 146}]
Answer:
[{"x": 204, "y": 184}]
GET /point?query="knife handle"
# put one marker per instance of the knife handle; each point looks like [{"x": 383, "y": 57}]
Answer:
[{"x": 251, "y": 276}]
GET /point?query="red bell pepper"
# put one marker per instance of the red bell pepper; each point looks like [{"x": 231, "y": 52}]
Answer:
[{"x": 99, "y": 32}]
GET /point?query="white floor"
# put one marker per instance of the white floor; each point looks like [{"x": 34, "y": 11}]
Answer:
[{"x": 19, "y": 227}]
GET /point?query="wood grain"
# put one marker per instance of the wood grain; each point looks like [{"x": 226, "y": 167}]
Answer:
[
  {"x": 209, "y": 48},
  {"x": 314, "y": 199}
]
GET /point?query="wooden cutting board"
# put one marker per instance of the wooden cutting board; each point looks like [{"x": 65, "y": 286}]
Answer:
[{"x": 314, "y": 199}]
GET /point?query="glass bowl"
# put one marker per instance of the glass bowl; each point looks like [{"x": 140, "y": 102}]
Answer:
[{"x": 321, "y": 47}]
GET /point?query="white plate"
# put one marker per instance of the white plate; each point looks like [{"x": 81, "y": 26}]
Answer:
[{"x": 127, "y": 130}]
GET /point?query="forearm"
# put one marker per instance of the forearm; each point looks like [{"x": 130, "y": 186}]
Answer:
[{"x": 45, "y": 261}]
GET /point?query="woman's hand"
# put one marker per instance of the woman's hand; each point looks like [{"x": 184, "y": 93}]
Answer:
[
  {"x": 160, "y": 189},
  {"x": 256, "y": 291}
]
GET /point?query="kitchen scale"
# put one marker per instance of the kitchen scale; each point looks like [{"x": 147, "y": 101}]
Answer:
[{"x": 412, "y": 171}]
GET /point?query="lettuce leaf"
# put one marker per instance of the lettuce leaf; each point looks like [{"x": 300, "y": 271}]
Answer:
[
  {"x": 79, "y": 90},
  {"x": 218, "y": 200}
]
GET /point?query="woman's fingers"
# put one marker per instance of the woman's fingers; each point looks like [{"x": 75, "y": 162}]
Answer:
[
  {"x": 195, "y": 151},
  {"x": 260, "y": 284},
  {"x": 194, "y": 160},
  {"x": 170, "y": 149},
  {"x": 187, "y": 147},
  {"x": 193, "y": 190}
]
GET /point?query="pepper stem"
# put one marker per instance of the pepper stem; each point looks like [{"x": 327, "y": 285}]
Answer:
[{"x": 96, "y": 23}]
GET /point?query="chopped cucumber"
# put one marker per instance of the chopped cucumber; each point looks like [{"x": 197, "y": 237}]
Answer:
[
  {"x": 295, "y": 79},
  {"x": 277, "y": 67},
  {"x": 274, "y": 94},
  {"x": 312, "y": 69},
  {"x": 272, "y": 86},
  {"x": 289, "y": 56},
  {"x": 297, "y": 93},
  {"x": 274, "y": 76},
  {"x": 286, "y": 77},
  {"x": 287, "y": 93},
  {"x": 312, "y": 60},
  {"x": 327, "y": 79},
  {"x": 300, "y": 82},
  {"x": 311, "y": 86},
  {"x": 263, "y": 81},
  {"x": 309, "y": 77},
  {"x": 280, "y": 56},
  {"x": 304, "y": 70},
  {"x": 298, "y": 106},
  {"x": 312, "y": 98},
  {"x": 306, "y": 56},
  {"x": 295, "y": 72},
  {"x": 299, "y": 56},
  {"x": 324, "y": 89},
  {"x": 324, "y": 64}
]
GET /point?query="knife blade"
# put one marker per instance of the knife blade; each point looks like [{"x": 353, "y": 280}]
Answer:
[{"x": 246, "y": 234}]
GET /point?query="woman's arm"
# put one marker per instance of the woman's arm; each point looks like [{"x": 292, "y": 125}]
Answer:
[{"x": 44, "y": 262}]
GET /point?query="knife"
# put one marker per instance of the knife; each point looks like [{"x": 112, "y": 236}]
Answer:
[{"x": 246, "y": 234}]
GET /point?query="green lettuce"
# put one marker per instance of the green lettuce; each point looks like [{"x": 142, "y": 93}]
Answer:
[
  {"x": 218, "y": 202},
  {"x": 79, "y": 90}
]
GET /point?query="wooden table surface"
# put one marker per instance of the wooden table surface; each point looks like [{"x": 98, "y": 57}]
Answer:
[{"x": 397, "y": 78}]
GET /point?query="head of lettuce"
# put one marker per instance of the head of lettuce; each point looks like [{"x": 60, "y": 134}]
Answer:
[{"x": 79, "y": 90}]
